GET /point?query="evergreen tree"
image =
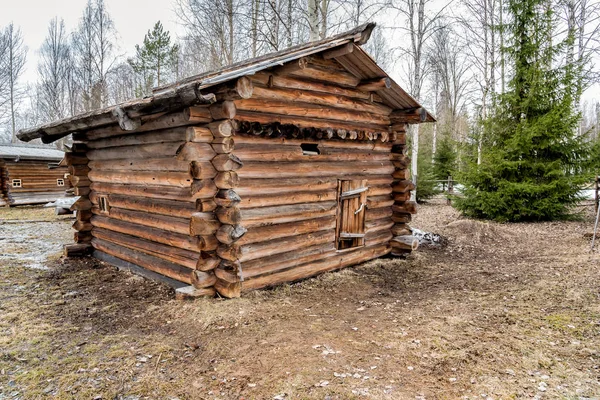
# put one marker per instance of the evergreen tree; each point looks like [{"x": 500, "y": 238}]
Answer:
[
  {"x": 427, "y": 187},
  {"x": 156, "y": 60},
  {"x": 531, "y": 167},
  {"x": 444, "y": 161}
]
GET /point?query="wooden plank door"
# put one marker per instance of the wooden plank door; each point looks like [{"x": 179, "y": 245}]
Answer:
[{"x": 352, "y": 204}]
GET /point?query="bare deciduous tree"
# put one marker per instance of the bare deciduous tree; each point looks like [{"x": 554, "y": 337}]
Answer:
[
  {"x": 93, "y": 49},
  {"x": 421, "y": 23},
  {"x": 53, "y": 70},
  {"x": 15, "y": 55}
]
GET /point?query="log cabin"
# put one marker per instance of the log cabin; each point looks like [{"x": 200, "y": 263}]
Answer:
[
  {"x": 30, "y": 175},
  {"x": 266, "y": 171}
]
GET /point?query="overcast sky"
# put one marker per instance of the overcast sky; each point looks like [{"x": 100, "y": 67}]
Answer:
[{"x": 132, "y": 19}]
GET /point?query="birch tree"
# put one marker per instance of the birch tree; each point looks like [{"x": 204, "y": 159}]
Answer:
[
  {"x": 53, "y": 70},
  {"x": 93, "y": 51},
  {"x": 421, "y": 22},
  {"x": 13, "y": 60}
]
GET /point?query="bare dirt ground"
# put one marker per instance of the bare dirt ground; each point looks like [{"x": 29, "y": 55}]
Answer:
[{"x": 501, "y": 312}]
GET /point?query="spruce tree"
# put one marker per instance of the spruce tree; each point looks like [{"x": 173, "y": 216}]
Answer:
[
  {"x": 155, "y": 60},
  {"x": 531, "y": 168},
  {"x": 444, "y": 161}
]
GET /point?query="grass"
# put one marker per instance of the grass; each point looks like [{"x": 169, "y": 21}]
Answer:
[{"x": 495, "y": 313}]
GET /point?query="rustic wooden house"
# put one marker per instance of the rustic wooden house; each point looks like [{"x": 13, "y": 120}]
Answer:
[
  {"x": 30, "y": 175},
  {"x": 266, "y": 171}
]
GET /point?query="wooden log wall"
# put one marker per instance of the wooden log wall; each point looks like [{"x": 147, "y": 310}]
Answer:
[
  {"x": 150, "y": 196},
  {"x": 38, "y": 182},
  {"x": 288, "y": 204},
  {"x": 403, "y": 242},
  {"x": 4, "y": 187}
]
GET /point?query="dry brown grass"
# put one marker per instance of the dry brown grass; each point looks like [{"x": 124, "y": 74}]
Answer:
[{"x": 496, "y": 312}]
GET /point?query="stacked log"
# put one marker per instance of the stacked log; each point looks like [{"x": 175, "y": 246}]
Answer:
[
  {"x": 402, "y": 209},
  {"x": 4, "y": 185},
  {"x": 77, "y": 163},
  {"x": 228, "y": 273},
  {"x": 289, "y": 200}
]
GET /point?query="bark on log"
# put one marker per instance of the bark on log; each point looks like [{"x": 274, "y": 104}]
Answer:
[
  {"x": 205, "y": 205},
  {"x": 208, "y": 242},
  {"x": 226, "y": 162},
  {"x": 203, "y": 188},
  {"x": 222, "y": 110},
  {"x": 163, "y": 222},
  {"x": 207, "y": 262},
  {"x": 76, "y": 159},
  {"x": 203, "y": 224},
  {"x": 149, "y": 262},
  {"x": 300, "y": 110},
  {"x": 195, "y": 152},
  {"x": 264, "y": 249},
  {"x": 401, "y": 230},
  {"x": 227, "y": 234},
  {"x": 169, "y": 178},
  {"x": 202, "y": 170},
  {"x": 227, "y": 198},
  {"x": 221, "y": 128},
  {"x": 223, "y": 145},
  {"x": 374, "y": 85},
  {"x": 79, "y": 180},
  {"x": 409, "y": 207},
  {"x": 208, "y": 190},
  {"x": 230, "y": 252},
  {"x": 82, "y": 237},
  {"x": 149, "y": 164},
  {"x": 403, "y": 186},
  {"x": 81, "y": 204},
  {"x": 82, "y": 226},
  {"x": 312, "y": 268},
  {"x": 77, "y": 250},
  {"x": 81, "y": 191},
  {"x": 202, "y": 279},
  {"x": 181, "y": 134},
  {"x": 172, "y": 208},
  {"x": 267, "y": 233},
  {"x": 172, "y": 254},
  {"x": 312, "y": 169},
  {"x": 227, "y": 180},
  {"x": 229, "y": 215},
  {"x": 199, "y": 134},
  {"x": 406, "y": 242},
  {"x": 287, "y": 199},
  {"x": 142, "y": 151},
  {"x": 242, "y": 88},
  {"x": 229, "y": 290},
  {"x": 323, "y": 99},
  {"x": 256, "y": 217},
  {"x": 149, "y": 233}
]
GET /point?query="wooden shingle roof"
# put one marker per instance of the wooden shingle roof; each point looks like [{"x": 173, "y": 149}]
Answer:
[{"x": 196, "y": 89}]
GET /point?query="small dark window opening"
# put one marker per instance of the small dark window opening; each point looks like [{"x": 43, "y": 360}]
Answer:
[
  {"x": 103, "y": 203},
  {"x": 16, "y": 183},
  {"x": 60, "y": 182},
  {"x": 310, "y": 149}
]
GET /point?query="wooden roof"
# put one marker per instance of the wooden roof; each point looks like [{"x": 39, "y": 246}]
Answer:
[
  {"x": 29, "y": 152},
  {"x": 190, "y": 91}
]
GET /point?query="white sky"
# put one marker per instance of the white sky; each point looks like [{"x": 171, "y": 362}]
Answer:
[{"x": 132, "y": 19}]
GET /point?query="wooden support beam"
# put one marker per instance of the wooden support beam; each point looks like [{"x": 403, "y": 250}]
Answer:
[
  {"x": 339, "y": 51},
  {"x": 373, "y": 85},
  {"x": 409, "y": 116}
]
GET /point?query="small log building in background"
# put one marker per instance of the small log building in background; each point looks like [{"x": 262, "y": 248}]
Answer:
[
  {"x": 31, "y": 175},
  {"x": 263, "y": 172}
]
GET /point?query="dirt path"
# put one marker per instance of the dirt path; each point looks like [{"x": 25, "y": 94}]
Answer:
[{"x": 504, "y": 311}]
